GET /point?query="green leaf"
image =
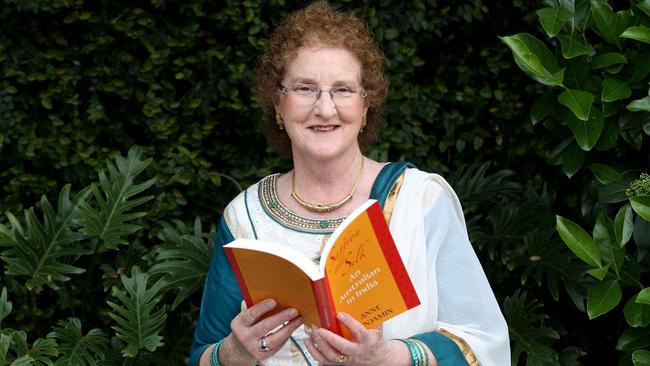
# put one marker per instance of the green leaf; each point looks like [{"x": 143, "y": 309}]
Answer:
[
  {"x": 641, "y": 205},
  {"x": 603, "y": 297},
  {"x": 609, "y": 25},
  {"x": 641, "y": 358},
  {"x": 391, "y": 33},
  {"x": 183, "y": 260},
  {"x": 614, "y": 89},
  {"x": 43, "y": 251},
  {"x": 623, "y": 225},
  {"x": 527, "y": 330},
  {"x": 643, "y": 297},
  {"x": 110, "y": 220},
  {"x": 552, "y": 19},
  {"x": 599, "y": 273},
  {"x": 572, "y": 158},
  {"x": 77, "y": 348},
  {"x": 578, "y": 101},
  {"x": 580, "y": 243},
  {"x": 534, "y": 58},
  {"x": 637, "y": 33},
  {"x": 644, "y": 6},
  {"x": 542, "y": 107},
  {"x": 5, "y": 342},
  {"x": 46, "y": 103},
  {"x": 607, "y": 60},
  {"x": 137, "y": 323},
  {"x": 633, "y": 339},
  {"x": 636, "y": 314},
  {"x": 611, "y": 253},
  {"x": 586, "y": 132},
  {"x": 5, "y": 306},
  {"x": 642, "y": 104},
  {"x": 605, "y": 174},
  {"x": 574, "y": 45}
]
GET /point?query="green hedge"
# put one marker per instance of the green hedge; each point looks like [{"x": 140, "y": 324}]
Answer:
[{"x": 82, "y": 82}]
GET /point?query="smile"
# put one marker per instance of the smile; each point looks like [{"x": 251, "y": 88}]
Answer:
[{"x": 327, "y": 128}]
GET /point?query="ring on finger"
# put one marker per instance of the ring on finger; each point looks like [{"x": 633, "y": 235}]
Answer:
[
  {"x": 264, "y": 347},
  {"x": 342, "y": 358}
]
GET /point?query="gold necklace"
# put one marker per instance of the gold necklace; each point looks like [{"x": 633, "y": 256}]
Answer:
[{"x": 328, "y": 207}]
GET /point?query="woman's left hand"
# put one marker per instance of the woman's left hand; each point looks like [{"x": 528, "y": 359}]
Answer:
[{"x": 367, "y": 347}]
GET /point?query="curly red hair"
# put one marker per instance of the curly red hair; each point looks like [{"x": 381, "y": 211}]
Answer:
[{"x": 320, "y": 24}]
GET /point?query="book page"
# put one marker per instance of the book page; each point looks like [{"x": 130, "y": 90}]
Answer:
[
  {"x": 269, "y": 276},
  {"x": 366, "y": 276}
]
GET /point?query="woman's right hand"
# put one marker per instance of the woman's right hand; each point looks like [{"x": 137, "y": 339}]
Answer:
[{"x": 244, "y": 344}]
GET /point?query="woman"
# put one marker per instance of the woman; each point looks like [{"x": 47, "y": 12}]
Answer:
[{"x": 321, "y": 82}]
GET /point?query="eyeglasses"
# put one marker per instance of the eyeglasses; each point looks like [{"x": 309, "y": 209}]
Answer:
[{"x": 308, "y": 95}]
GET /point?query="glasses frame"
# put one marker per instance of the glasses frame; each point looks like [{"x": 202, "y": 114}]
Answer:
[{"x": 319, "y": 92}]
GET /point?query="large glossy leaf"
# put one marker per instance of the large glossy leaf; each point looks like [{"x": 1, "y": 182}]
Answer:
[
  {"x": 542, "y": 107},
  {"x": 137, "y": 322},
  {"x": 552, "y": 19},
  {"x": 636, "y": 314},
  {"x": 642, "y": 104},
  {"x": 623, "y": 225},
  {"x": 640, "y": 65},
  {"x": 587, "y": 132},
  {"x": 43, "y": 250},
  {"x": 643, "y": 297},
  {"x": 580, "y": 243},
  {"x": 605, "y": 173},
  {"x": 606, "y": 60},
  {"x": 109, "y": 220},
  {"x": 534, "y": 58},
  {"x": 605, "y": 238},
  {"x": 641, "y": 205},
  {"x": 76, "y": 348},
  {"x": 633, "y": 339},
  {"x": 183, "y": 260},
  {"x": 614, "y": 89},
  {"x": 637, "y": 33},
  {"x": 609, "y": 24},
  {"x": 578, "y": 101},
  {"x": 572, "y": 158},
  {"x": 603, "y": 297},
  {"x": 614, "y": 192},
  {"x": 641, "y": 358},
  {"x": 644, "y": 6},
  {"x": 573, "y": 45},
  {"x": 641, "y": 232}
]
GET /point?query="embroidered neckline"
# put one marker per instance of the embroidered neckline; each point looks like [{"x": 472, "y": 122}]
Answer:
[{"x": 282, "y": 215}]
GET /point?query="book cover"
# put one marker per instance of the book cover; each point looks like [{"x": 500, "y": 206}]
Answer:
[{"x": 360, "y": 273}]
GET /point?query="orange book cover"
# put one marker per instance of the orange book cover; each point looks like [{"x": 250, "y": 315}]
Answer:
[{"x": 360, "y": 273}]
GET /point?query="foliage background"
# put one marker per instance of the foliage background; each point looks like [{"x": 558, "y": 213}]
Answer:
[{"x": 81, "y": 82}]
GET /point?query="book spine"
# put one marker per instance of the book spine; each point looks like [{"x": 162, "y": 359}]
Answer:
[
  {"x": 392, "y": 257},
  {"x": 326, "y": 310},
  {"x": 238, "y": 275}
]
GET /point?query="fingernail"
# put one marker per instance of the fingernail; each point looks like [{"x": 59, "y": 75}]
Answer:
[
  {"x": 340, "y": 316},
  {"x": 270, "y": 303},
  {"x": 293, "y": 313}
]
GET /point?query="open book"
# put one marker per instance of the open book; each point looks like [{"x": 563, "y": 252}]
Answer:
[{"x": 360, "y": 273}]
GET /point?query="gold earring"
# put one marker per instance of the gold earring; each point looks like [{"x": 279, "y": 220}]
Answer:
[
  {"x": 363, "y": 124},
  {"x": 279, "y": 121}
]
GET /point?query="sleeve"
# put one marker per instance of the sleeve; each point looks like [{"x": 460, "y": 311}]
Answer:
[
  {"x": 221, "y": 298},
  {"x": 471, "y": 329}
]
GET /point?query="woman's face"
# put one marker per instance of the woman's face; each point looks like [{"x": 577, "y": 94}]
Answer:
[{"x": 325, "y": 128}]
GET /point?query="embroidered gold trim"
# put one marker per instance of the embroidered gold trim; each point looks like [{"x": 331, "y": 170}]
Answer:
[
  {"x": 389, "y": 204},
  {"x": 280, "y": 213},
  {"x": 463, "y": 346}
]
